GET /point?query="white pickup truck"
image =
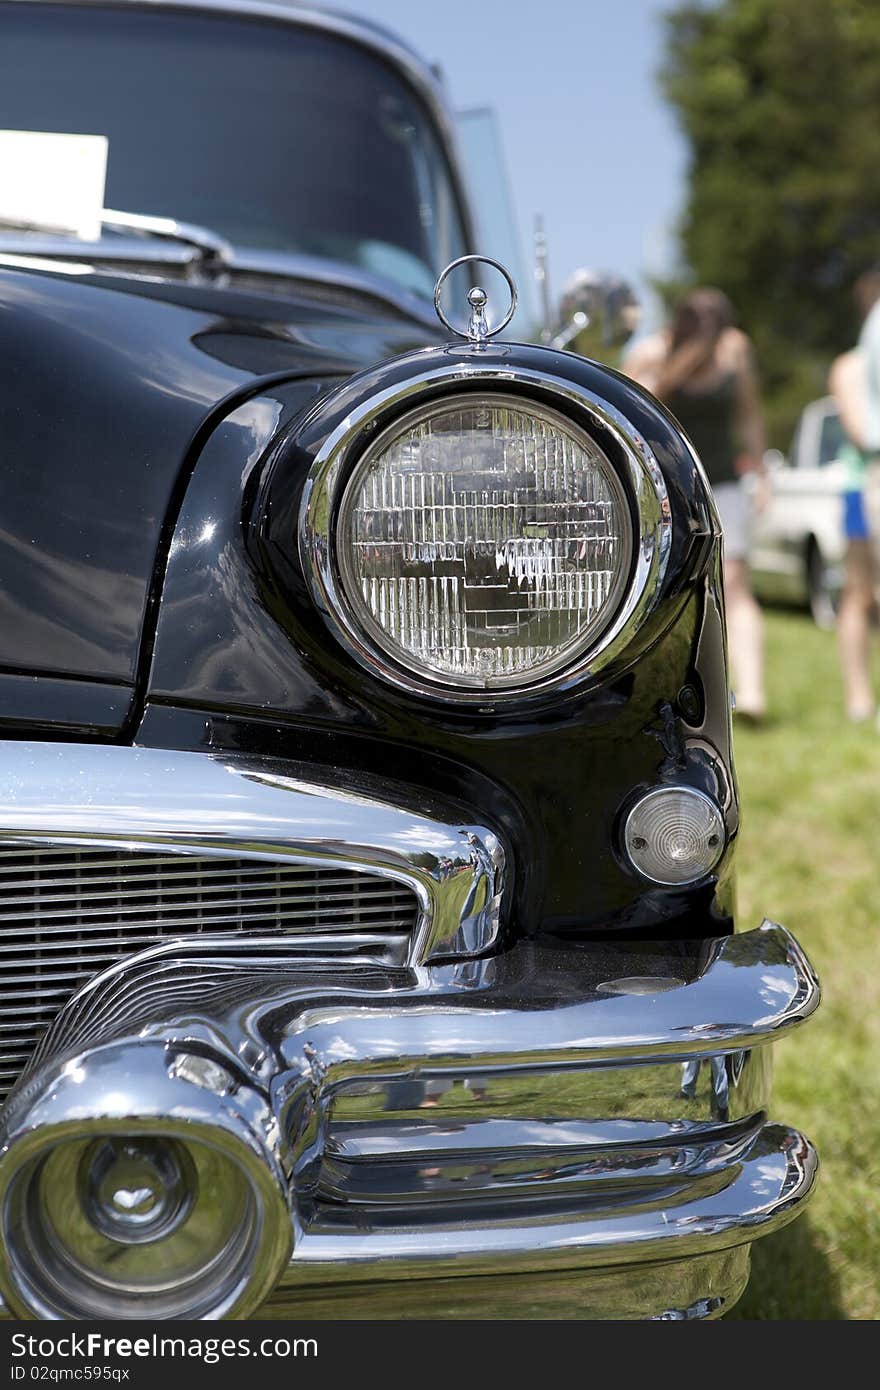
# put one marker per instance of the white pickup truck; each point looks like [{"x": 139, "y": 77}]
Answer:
[{"x": 798, "y": 542}]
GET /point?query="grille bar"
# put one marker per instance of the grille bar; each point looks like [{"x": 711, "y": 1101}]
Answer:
[
  {"x": 281, "y": 905},
  {"x": 49, "y": 854},
  {"x": 137, "y": 874},
  {"x": 68, "y": 912}
]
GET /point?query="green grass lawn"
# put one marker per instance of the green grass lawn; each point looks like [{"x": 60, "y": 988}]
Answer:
[{"x": 809, "y": 857}]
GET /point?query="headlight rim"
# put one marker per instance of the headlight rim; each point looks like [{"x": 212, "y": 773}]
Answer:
[
  {"x": 631, "y": 459},
  {"x": 345, "y": 504}
]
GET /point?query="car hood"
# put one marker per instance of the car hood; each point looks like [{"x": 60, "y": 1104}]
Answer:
[{"x": 107, "y": 389}]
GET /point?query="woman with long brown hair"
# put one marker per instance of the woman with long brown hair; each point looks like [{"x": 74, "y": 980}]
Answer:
[{"x": 702, "y": 369}]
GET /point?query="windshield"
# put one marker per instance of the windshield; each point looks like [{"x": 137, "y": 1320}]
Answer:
[{"x": 278, "y": 137}]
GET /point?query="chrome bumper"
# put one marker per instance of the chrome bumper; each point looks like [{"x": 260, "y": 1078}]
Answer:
[{"x": 578, "y": 1132}]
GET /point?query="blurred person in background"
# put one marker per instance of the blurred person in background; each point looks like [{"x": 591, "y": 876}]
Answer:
[
  {"x": 854, "y": 382},
  {"x": 701, "y": 368},
  {"x": 846, "y": 382}
]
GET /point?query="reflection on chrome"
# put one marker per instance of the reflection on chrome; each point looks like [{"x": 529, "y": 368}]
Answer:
[
  {"x": 718, "y": 1069},
  {"x": 408, "y": 1122}
]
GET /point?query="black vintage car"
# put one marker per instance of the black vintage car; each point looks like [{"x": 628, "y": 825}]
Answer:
[{"x": 367, "y": 808}]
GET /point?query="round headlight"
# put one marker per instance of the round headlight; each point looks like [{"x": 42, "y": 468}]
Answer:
[{"x": 483, "y": 542}]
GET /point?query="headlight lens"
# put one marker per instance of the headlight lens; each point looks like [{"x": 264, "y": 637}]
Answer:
[{"x": 483, "y": 541}]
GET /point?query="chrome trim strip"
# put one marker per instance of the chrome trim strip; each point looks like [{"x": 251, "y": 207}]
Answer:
[
  {"x": 211, "y": 248},
  {"x": 702, "y": 1287},
  {"x": 491, "y": 1014},
  {"x": 762, "y": 1192},
  {"x": 329, "y": 474},
  {"x": 753, "y": 986},
  {"x": 187, "y": 802},
  {"x": 141, "y": 257}
]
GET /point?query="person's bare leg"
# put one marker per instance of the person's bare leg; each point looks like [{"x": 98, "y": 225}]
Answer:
[
  {"x": 745, "y": 635},
  {"x": 854, "y": 632}
]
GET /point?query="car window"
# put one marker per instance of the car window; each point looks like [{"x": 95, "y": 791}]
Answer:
[
  {"x": 796, "y": 441},
  {"x": 483, "y": 153},
  {"x": 279, "y": 137},
  {"x": 831, "y": 439}
]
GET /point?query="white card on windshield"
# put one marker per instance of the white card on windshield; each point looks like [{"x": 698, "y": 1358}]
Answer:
[{"x": 53, "y": 183}]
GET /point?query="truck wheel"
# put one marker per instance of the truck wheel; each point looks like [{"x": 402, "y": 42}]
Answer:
[{"x": 823, "y": 587}]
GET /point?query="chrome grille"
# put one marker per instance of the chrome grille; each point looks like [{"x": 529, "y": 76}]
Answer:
[{"x": 66, "y": 914}]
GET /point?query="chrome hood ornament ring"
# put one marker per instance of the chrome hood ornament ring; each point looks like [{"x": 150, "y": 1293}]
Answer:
[{"x": 478, "y": 330}]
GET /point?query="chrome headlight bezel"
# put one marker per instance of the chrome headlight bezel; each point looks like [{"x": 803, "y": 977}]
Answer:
[
  {"x": 637, "y": 471},
  {"x": 567, "y": 653}
]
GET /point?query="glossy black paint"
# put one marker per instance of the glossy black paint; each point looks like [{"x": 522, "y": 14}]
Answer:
[
  {"x": 160, "y": 437},
  {"x": 243, "y": 661},
  {"x": 43, "y": 706},
  {"x": 108, "y": 384}
]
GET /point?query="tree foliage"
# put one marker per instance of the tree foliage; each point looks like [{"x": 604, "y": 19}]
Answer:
[{"x": 780, "y": 103}]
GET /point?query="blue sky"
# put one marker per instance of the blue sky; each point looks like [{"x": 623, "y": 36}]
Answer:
[{"x": 588, "y": 140}]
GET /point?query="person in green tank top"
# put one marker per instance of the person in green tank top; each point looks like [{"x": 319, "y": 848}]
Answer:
[{"x": 701, "y": 367}]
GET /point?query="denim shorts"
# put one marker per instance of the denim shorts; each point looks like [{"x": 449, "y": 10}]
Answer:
[{"x": 855, "y": 522}]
